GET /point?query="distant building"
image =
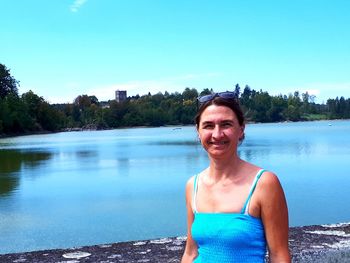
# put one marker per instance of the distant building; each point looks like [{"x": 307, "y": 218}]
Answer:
[{"x": 120, "y": 95}]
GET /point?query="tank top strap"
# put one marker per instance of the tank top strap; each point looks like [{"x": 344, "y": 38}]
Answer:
[
  {"x": 247, "y": 202},
  {"x": 194, "y": 194}
]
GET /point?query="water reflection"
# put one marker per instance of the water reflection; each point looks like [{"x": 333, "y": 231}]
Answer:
[
  {"x": 11, "y": 162},
  {"x": 86, "y": 154},
  {"x": 8, "y": 184},
  {"x": 176, "y": 143},
  {"x": 124, "y": 166},
  {"x": 250, "y": 150}
]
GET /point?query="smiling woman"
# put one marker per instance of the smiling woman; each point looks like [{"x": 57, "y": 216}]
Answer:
[{"x": 234, "y": 208}]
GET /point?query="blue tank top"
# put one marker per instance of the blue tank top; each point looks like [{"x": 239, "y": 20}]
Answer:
[{"x": 228, "y": 237}]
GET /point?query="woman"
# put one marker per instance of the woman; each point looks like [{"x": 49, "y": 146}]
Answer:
[{"x": 235, "y": 209}]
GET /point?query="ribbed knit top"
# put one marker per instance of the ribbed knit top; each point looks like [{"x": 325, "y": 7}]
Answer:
[{"x": 229, "y": 237}]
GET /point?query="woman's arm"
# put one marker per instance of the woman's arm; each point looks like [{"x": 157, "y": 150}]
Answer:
[
  {"x": 274, "y": 214},
  {"x": 191, "y": 251}
]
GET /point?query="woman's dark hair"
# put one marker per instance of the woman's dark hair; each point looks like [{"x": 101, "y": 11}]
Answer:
[{"x": 233, "y": 104}]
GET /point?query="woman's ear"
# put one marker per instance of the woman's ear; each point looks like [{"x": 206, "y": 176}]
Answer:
[
  {"x": 241, "y": 138},
  {"x": 198, "y": 136},
  {"x": 243, "y": 128}
]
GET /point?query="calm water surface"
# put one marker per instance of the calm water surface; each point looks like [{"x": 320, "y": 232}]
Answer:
[{"x": 83, "y": 188}]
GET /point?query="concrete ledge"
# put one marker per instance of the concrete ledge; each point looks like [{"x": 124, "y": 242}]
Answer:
[{"x": 323, "y": 243}]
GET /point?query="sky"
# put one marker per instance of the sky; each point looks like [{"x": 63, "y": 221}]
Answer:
[{"x": 61, "y": 49}]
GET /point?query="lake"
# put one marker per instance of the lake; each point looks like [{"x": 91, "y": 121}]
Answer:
[{"x": 95, "y": 187}]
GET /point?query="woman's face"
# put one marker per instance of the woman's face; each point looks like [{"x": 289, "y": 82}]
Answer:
[{"x": 219, "y": 131}]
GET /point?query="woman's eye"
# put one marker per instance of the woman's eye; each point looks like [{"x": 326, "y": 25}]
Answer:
[{"x": 227, "y": 124}]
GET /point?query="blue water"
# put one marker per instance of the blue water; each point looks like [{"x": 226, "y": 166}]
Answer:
[{"x": 83, "y": 188}]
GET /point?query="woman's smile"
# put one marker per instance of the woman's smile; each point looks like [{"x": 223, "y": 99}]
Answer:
[{"x": 219, "y": 143}]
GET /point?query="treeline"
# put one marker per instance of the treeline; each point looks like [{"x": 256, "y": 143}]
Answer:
[{"x": 29, "y": 112}]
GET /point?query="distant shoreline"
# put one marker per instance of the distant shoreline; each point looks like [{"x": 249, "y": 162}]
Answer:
[{"x": 82, "y": 129}]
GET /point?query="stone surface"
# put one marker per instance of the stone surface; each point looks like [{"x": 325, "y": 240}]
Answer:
[{"x": 324, "y": 243}]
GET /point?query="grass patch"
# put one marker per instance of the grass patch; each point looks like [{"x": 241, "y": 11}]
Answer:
[{"x": 315, "y": 117}]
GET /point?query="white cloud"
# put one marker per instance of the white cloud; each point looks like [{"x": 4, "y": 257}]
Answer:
[{"x": 76, "y": 5}]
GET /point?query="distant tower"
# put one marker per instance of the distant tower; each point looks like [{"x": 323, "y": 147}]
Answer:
[{"x": 120, "y": 95}]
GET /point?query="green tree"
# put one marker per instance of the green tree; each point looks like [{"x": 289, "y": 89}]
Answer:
[
  {"x": 33, "y": 102},
  {"x": 305, "y": 102},
  {"x": 82, "y": 101},
  {"x": 293, "y": 111},
  {"x": 188, "y": 111},
  {"x": 5, "y": 120},
  {"x": 206, "y": 91},
  {"x": 17, "y": 119},
  {"x": 246, "y": 96},
  {"x": 94, "y": 100},
  {"x": 278, "y": 106},
  {"x": 262, "y": 103},
  {"x": 49, "y": 118},
  {"x": 189, "y": 94},
  {"x": 8, "y": 84},
  {"x": 237, "y": 90}
]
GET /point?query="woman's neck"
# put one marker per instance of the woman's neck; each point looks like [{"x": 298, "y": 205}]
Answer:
[{"x": 223, "y": 169}]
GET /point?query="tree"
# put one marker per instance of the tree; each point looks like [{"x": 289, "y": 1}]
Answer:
[
  {"x": 305, "y": 102},
  {"x": 293, "y": 111},
  {"x": 33, "y": 102},
  {"x": 237, "y": 90},
  {"x": 278, "y": 105},
  {"x": 93, "y": 100},
  {"x": 206, "y": 91},
  {"x": 246, "y": 96},
  {"x": 190, "y": 94},
  {"x": 49, "y": 118},
  {"x": 262, "y": 103},
  {"x": 82, "y": 101},
  {"x": 8, "y": 84},
  {"x": 16, "y": 118},
  {"x": 5, "y": 120}
]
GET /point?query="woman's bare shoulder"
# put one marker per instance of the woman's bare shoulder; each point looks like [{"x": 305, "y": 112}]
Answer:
[
  {"x": 190, "y": 182},
  {"x": 269, "y": 179},
  {"x": 270, "y": 188}
]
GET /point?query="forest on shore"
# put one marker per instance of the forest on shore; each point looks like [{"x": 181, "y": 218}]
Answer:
[{"x": 30, "y": 113}]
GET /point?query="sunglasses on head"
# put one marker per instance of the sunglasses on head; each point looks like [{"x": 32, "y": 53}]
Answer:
[{"x": 223, "y": 95}]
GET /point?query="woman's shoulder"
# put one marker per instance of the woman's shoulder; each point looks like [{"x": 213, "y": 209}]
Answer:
[
  {"x": 194, "y": 177},
  {"x": 268, "y": 179},
  {"x": 190, "y": 181},
  {"x": 269, "y": 186},
  {"x": 190, "y": 188}
]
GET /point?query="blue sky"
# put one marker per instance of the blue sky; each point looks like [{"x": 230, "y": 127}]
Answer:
[{"x": 60, "y": 49}]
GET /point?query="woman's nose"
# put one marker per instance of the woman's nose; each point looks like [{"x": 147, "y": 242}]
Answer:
[{"x": 217, "y": 132}]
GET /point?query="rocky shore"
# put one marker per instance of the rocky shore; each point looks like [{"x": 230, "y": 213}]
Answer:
[{"x": 321, "y": 243}]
